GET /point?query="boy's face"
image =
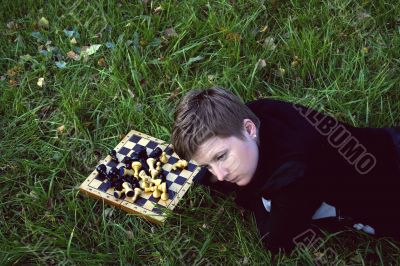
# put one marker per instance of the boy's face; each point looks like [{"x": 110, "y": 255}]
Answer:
[{"x": 230, "y": 159}]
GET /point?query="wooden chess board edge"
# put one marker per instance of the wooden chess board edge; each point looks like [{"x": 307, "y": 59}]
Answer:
[
  {"x": 97, "y": 197},
  {"x": 183, "y": 190},
  {"x": 153, "y": 218},
  {"x": 134, "y": 132}
]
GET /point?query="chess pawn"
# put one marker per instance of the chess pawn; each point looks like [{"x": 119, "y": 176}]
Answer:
[
  {"x": 118, "y": 193},
  {"x": 179, "y": 164},
  {"x": 156, "y": 193},
  {"x": 128, "y": 189},
  {"x": 136, "y": 167},
  {"x": 137, "y": 192},
  {"x": 124, "y": 172},
  {"x": 163, "y": 157}
]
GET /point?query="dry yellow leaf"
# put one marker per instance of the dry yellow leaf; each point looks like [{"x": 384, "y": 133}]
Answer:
[
  {"x": 40, "y": 82},
  {"x": 61, "y": 129}
]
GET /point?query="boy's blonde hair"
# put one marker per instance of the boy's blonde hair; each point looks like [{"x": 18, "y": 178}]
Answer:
[{"x": 202, "y": 114}]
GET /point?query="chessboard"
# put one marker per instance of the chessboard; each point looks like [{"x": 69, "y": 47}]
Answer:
[{"x": 152, "y": 209}]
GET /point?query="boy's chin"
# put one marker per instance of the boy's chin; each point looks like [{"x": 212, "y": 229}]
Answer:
[{"x": 242, "y": 183}]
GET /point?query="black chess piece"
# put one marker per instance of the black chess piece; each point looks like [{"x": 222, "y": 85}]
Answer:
[
  {"x": 113, "y": 155},
  {"x": 128, "y": 162},
  {"x": 156, "y": 153},
  {"x": 102, "y": 170}
]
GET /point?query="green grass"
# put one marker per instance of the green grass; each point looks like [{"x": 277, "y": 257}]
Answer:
[{"x": 348, "y": 63}]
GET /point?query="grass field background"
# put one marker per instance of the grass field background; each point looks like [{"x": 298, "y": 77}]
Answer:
[{"x": 60, "y": 114}]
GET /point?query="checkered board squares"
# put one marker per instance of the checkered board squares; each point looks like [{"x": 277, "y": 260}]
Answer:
[{"x": 152, "y": 209}]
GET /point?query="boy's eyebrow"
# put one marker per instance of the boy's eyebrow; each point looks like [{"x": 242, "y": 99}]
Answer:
[{"x": 215, "y": 157}]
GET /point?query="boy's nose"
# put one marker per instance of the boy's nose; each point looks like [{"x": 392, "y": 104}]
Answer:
[{"x": 220, "y": 172}]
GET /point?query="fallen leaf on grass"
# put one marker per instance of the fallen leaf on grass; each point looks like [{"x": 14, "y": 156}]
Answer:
[
  {"x": 210, "y": 78},
  {"x": 43, "y": 23},
  {"x": 12, "y": 25},
  {"x": 261, "y": 63},
  {"x": 89, "y": 50},
  {"x": 233, "y": 36},
  {"x": 264, "y": 29},
  {"x": 194, "y": 59},
  {"x": 73, "y": 41},
  {"x": 110, "y": 45},
  {"x": 280, "y": 72},
  {"x": 61, "y": 64},
  {"x": 13, "y": 82},
  {"x": 13, "y": 71},
  {"x": 363, "y": 15},
  {"x": 129, "y": 234},
  {"x": 174, "y": 94},
  {"x": 108, "y": 212},
  {"x": 158, "y": 9},
  {"x": 101, "y": 62},
  {"x": 40, "y": 82},
  {"x": 71, "y": 33},
  {"x": 295, "y": 62},
  {"x": 73, "y": 55},
  {"x": 170, "y": 32},
  {"x": 60, "y": 129},
  {"x": 269, "y": 43}
]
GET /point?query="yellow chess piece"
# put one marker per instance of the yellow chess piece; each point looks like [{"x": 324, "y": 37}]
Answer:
[
  {"x": 150, "y": 162},
  {"x": 163, "y": 188},
  {"x": 145, "y": 179},
  {"x": 180, "y": 164},
  {"x": 128, "y": 172},
  {"x": 163, "y": 157},
  {"x": 155, "y": 182},
  {"x": 138, "y": 192},
  {"x": 128, "y": 189},
  {"x": 136, "y": 167},
  {"x": 156, "y": 193},
  {"x": 149, "y": 189}
]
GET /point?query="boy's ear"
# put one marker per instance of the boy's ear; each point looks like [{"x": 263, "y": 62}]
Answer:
[{"x": 249, "y": 127}]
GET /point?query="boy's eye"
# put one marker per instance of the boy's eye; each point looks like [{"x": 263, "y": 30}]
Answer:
[{"x": 221, "y": 157}]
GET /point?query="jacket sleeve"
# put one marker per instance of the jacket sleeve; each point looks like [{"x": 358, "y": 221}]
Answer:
[{"x": 291, "y": 213}]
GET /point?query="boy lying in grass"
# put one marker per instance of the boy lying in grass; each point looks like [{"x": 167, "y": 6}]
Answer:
[{"x": 290, "y": 164}]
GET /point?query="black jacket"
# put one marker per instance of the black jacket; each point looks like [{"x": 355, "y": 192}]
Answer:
[{"x": 307, "y": 158}]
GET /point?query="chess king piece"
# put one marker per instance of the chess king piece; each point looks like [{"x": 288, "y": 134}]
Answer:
[{"x": 180, "y": 164}]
